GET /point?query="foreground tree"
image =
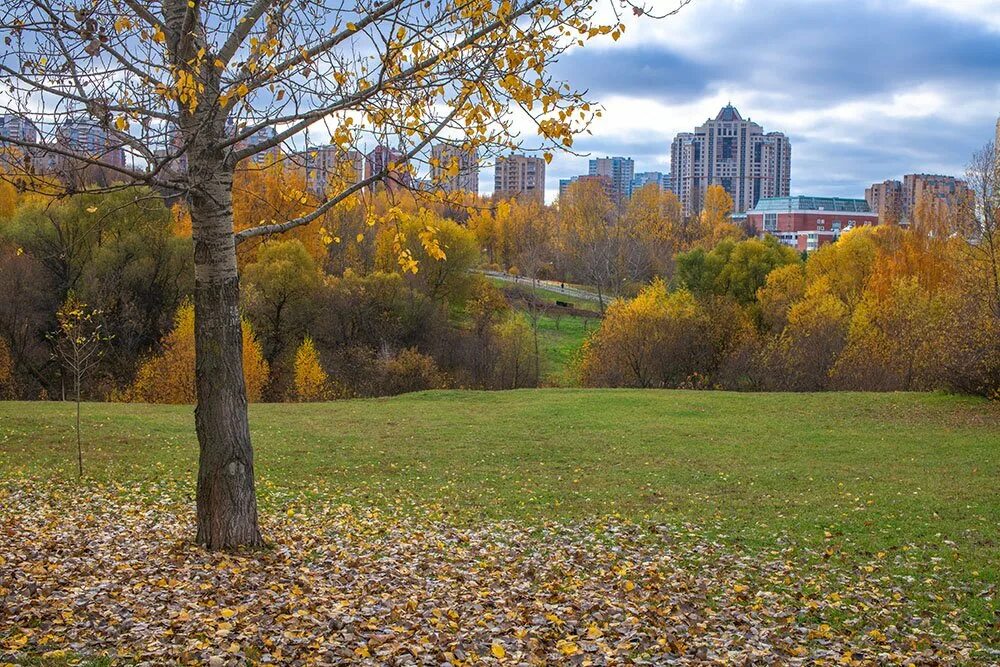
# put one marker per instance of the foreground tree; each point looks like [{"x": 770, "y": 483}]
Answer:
[{"x": 181, "y": 92}]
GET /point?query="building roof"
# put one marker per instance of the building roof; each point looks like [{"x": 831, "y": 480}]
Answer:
[
  {"x": 802, "y": 203},
  {"x": 729, "y": 113}
]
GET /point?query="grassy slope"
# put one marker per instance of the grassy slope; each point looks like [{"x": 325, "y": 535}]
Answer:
[
  {"x": 839, "y": 478},
  {"x": 559, "y": 343}
]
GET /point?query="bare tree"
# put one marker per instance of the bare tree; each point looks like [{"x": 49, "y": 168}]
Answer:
[
  {"x": 79, "y": 344},
  {"x": 980, "y": 219},
  {"x": 177, "y": 94}
]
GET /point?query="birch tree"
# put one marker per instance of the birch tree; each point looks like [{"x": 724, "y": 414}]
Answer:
[{"x": 178, "y": 94}]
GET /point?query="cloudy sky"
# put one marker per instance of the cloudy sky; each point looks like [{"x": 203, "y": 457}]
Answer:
[{"x": 865, "y": 89}]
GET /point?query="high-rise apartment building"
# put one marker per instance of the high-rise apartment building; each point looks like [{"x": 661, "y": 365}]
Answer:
[
  {"x": 87, "y": 138},
  {"x": 734, "y": 153},
  {"x": 14, "y": 128},
  {"x": 946, "y": 191},
  {"x": 443, "y": 157},
  {"x": 620, "y": 171},
  {"x": 331, "y": 165},
  {"x": 17, "y": 127},
  {"x": 895, "y": 201},
  {"x": 886, "y": 201},
  {"x": 518, "y": 175},
  {"x": 390, "y": 161},
  {"x": 658, "y": 178}
]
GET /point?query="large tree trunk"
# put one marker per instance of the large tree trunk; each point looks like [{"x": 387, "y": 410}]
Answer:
[{"x": 227, "y": 502}]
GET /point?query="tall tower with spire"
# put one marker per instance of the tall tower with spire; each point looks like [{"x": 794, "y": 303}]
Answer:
[{"x": 732, "y": 152}]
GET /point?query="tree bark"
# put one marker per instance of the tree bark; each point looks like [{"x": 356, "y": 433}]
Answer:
[
  {"x": 79, "y": 444},
  {"x": 226, "y": 499}
]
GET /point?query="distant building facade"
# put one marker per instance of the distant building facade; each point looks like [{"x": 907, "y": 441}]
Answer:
[
  {"x": 658, "y": 178},
  {"x": 604, "y": 181},
  {"x": 268, "y": 155},
  {"x": 324, "y": 165},
  {"x": 18, "y": 128},
  {"x": 944, "y": 191},
  {"x": 564, "y": 184},
  {"x": 886, "y": 200},
  {"x": 807, "y": 223},
  {"x": 518, "y": 175},
  {"x": 620, "y": 171},
  {"x": 89, "y": 139},
  {"x": 734, "y": 153},
  {"x": 895, "y": 201},
  {"x": 466, "y": 180},
  {"x": 14, "y": 132},
  {"x": 391, "y": 161}
]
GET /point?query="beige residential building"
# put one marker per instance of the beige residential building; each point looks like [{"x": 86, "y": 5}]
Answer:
[
  {"x": 443, "y": 156},
  {"x": 732, "y": 152},
  {"x": 518, "y": 175},
  {"x": 886, "y": 200},
  {"x": 327, "y": 165},
  {"x": 895, "y": 201},
  {"x": 946, "y": 191}
]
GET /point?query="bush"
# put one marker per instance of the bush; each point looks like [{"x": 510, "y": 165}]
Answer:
[
  {"x": 410, "y": 371},
  {"x": 658, "y": 339}
]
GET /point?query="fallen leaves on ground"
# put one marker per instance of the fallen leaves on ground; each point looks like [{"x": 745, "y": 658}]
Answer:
[{"x": 99, "y": 571}]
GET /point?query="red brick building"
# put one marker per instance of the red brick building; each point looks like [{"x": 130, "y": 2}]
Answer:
[{"x": 806, "y": 223}]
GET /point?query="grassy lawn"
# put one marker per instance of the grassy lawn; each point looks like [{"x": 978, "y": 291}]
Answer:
[
  {"x": 880, "y": 470},
  {"x": 840, "y": 475},
  {"x": 560, "y": 341}
]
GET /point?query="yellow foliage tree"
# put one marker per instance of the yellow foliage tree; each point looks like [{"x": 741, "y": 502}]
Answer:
[
  {"x": 169, "y": 376},
  {"x": 847, "y": 264},
  {"x": 715, "y": 219},
  {"x": 783, "y": 287},
  {"x": 814, "y": 337},
  {"x": 656, "y": 219},
  {"x": 658, "y": 339},
  {"x": 893, "y": 340},
  {"x": 310, "y": 378}
]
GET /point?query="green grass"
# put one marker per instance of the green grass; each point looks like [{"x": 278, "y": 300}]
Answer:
[
  {"x": 560, "y": 339},
  {"x": 559, "y": 342},
  {"x": 861, "y": 473}
]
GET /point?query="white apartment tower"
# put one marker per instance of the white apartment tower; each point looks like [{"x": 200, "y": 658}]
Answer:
[{"x": 734, "y": 153}]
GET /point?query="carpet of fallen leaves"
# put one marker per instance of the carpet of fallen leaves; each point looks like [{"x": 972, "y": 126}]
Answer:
[{"x": 99, "y": 571}]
